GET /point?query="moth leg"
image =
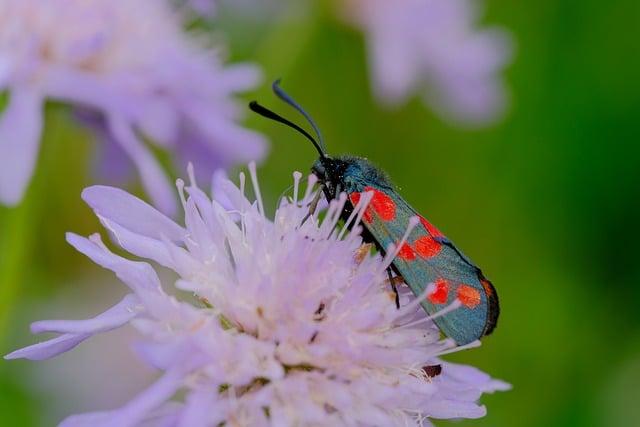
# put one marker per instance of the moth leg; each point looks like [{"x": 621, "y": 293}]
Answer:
[
  {"x": 313, "y": 205},
  {"x": 338, "y": 191},
  {"x": 393, "y": 286}
]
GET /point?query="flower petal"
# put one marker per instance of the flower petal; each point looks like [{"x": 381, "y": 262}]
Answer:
[
  {"x": 20, "y": 129},
  {"x": 132, "y": 213},
  {"x": 110, "y": 162},
  {"x": 5, "y": 71},
  {"x": 474, "y": 377},
  {"x": 159, "y": 120},
  {"x": 139, "y": 407},
  {"x": 48, "y": 349},
  {"x": 393, "y": 66},
  {"x": 76, "y": 331},
  {"x": 89, "y": 419},
  {"x": 239, "y": 77},
  {"x": 114, "y": 317},
  {"x": 139, "y": 276},
  {"x": 225, "y": 138},
  {"x": 75, "y": 86},
  {"x": 197, "y": 411},
  {"x": 142, "y": 246},
  {"x": 153, "y": 177},
  {"x": 164, "y": 416},
  {"x": 444, "y": 409}
]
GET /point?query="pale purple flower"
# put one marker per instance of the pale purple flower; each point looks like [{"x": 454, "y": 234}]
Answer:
[
  {"x": 285, "y": 322},
  {"x": 205, "y": 8},
  {"x": 137, "y": 73},
  {"x": 433, "y": 47}
]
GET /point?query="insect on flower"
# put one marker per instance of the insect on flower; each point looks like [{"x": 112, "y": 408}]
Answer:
[
  {"x": 463, "y": 303},
  {"x": 286, "y": 322}
]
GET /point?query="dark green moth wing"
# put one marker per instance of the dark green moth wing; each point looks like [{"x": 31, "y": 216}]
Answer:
[{"x": 429, "y": 259}]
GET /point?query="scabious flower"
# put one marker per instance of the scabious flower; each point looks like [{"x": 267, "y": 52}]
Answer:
[
  {"x": 130, "y": 68},
  {"x": 203, "y": 8},
  {"x": 283, "y": 322},
  {"x": 433, "y": 46}
]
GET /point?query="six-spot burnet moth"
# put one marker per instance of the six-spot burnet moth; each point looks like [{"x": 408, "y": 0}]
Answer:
[{"x": 448, "y": 282}]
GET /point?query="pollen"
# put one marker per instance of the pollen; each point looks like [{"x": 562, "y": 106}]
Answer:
[
  {"x": 468, "y": 296},
  {"x": 441, "y": 292},
  {"x": 427, "y": 247},
  {"x": 362, "y": 252}
]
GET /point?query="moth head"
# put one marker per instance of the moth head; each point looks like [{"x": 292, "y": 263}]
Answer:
[
  {"x": 328, "y": 172},
  {"x": 319, "y": 170}
]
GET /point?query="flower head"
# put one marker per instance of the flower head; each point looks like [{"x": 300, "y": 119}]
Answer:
[
  {"x": 432, "y": 46},
  {"x": 285, "y": 322},
  {"x": 130, "y": 65},
  {"x": 205, "y": 8}
]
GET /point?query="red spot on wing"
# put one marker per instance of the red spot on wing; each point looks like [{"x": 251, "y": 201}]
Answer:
[
  {"x": 441, "y": 292},
  {"x": 468, "y": 296},
  {"x": 427, "y": 247},
  {"x": 406, "y": 253},
  {"x": 382, "y": 204},
  {"x": 355, "y": 199},
  {"x": 431, "y": 228}
]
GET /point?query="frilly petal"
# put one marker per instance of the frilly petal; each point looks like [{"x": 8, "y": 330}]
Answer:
[
  {"x": 132, "y": 213},
  {"x": 225, "y": 138},
  {"x": 164, "y": 416},
  {"x": 153, "y": 177},
  {"x": 159, "y": 120},
  {"x": 197, "y": 410},
  {"x": 139, "y": 276},
  {"x": 136, "y": 411},
  {"x": 116, "y": 316},
  {"x": 445, "y": 409},
  {"x": 239, "y": 77},
  {"x": 48, "y": 349},
  {"x": 75, "y": 331}
]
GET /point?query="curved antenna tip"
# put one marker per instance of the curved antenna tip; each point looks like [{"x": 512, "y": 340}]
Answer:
[
  {"x": 280, "y": 93},
  {"x": 265, "y": 112}
]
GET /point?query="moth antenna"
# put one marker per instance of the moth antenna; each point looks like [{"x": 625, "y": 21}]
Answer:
[
  {"x": 265, "y": 112},
  {"x": 280, "y": 93}
]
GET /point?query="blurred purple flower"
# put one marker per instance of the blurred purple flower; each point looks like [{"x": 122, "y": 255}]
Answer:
[
  {"x": 129, "y": 65},
  {"x": 291, "y": 322},
  {"x": 202, "y": 7},
  {"x": 433, "y": 46}
]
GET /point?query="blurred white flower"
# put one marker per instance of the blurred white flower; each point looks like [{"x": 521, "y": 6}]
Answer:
[
  {"x": 291, "y": 321},
  {"x": 432, "y": 46},
  {"x": 132, "y": 70}
]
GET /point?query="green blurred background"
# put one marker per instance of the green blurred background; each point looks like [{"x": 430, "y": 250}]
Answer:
[{"x": 546, "y": 201}]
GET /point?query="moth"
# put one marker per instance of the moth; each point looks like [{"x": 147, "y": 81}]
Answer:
[{"x": 428, "y": 262}]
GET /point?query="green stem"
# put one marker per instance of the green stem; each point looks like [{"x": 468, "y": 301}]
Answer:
[
  {"x": 19, "y": 234},
  {"x": 18, "y": 238},
  {"x": 15, "y": 247}
]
